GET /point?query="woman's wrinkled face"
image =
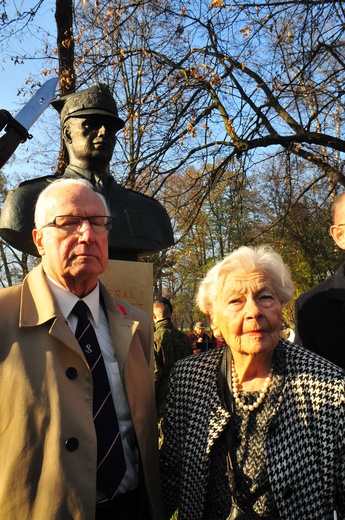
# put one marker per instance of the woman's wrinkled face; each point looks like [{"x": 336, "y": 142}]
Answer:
[{"x": 248, "y": 313}]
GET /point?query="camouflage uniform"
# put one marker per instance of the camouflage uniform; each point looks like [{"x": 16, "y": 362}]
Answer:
[{"x": 170, "y": 344}]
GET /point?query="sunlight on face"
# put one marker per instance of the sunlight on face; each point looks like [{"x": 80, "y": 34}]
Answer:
[
  {"x": 248, "y": 313},
  {"x": 73, "y": 256}
]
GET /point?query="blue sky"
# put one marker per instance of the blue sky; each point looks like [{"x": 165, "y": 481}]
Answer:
[{"x": 13, "y": 77}]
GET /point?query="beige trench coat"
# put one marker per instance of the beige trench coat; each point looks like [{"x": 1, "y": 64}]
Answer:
[{"x": 47, "y": 437}]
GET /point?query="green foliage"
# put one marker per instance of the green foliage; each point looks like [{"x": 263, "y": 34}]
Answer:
[{"x": 247, "y": 210}]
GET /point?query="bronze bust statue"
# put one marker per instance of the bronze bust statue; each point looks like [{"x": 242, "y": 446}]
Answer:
[{"x": 89, "y": 121}]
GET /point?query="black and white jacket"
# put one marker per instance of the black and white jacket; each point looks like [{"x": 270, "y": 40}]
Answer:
[{"x": 304, "y": 440}]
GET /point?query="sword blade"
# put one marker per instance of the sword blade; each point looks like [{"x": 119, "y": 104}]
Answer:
[{"x": 37, "y": 104}]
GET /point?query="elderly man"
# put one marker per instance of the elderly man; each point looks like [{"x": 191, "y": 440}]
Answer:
[
  {"x": 199, "y": 340},
  {"x": 78, "y": 436},
  {"x": 320, "y": 312},
  {"x": 89, "y": 122}
]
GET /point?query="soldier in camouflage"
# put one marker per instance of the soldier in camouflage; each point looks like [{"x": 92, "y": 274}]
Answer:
[{"x": 170, "y": 344}]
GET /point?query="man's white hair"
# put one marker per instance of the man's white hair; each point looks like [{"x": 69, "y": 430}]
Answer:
[{"x": 42, "y": 204}]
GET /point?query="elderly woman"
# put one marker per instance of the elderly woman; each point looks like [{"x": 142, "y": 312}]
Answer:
[{"x": 255, "y": 429}]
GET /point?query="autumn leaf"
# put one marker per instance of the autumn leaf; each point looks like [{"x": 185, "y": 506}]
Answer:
[
  {"x": 246, "y": 31},
  {"x": 217, "y": 3}
]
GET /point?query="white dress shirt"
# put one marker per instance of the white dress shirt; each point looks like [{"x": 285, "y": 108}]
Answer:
[{"x": 66, "y": 301}]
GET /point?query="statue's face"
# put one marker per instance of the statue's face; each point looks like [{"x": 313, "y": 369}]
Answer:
[{"x": 90, "y": 138}]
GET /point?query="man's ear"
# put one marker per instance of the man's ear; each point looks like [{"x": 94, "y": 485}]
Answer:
[
  {"x": 338, "y": 235},
  {"x": 37, "y": 237}
]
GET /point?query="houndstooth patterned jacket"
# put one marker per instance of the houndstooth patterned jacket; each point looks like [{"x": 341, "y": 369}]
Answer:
[{"x": 304, "y": 441}]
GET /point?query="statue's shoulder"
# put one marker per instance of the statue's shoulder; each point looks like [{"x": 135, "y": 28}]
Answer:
[
  {"x": 129, "y": 197},
  {"x": 35, "y": 184}
]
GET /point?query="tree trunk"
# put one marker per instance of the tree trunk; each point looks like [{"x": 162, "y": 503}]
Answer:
[{"x": 65, "y": 44}]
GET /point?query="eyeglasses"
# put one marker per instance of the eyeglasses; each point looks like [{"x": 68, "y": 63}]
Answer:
[{"x": 73, "y": 223}]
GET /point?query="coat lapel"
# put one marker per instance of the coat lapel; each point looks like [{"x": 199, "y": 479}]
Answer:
[
  {"x": 38, "y": 306},
  {"x": 122, "y": 330},
  {"x": 219, "y": 416}
]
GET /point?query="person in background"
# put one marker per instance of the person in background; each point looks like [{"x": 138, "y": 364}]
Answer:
[
  {"x": 214, "y": 342},
  {"x": 254, "y": 429},
  {"x": 291, "y": 334},
  {"x": 79, "y": 438},
  {"x": 320, "y": 312},
  {"x": 199, "y": 340},
  {"x": 170, "y": 344},
  {"x": 287, "y": 332}
]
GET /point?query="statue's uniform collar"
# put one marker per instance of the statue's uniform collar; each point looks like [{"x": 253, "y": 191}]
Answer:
[{"x": 92, "y": 176}]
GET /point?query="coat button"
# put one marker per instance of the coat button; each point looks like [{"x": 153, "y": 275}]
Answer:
[
  {"x": 72, "y": 444},
  {"x": 71, "y": 373}
]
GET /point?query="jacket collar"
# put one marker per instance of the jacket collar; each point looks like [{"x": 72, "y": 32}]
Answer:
[
  {"x": 38, "y": 306},
  {"x": 122, "y": 328},
  {"x": 164, "y": 322},
  {"x": 219, "y": 415}
]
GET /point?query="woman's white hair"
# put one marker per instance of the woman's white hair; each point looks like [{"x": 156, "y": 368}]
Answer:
[
  {"x": 42, "y": 204},
  {"x": 262, "y": 259}
]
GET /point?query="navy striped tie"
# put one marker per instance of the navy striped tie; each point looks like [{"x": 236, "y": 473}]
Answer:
[{"x": 111, "y": 465}]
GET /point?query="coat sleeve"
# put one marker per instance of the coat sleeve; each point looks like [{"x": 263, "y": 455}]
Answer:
[
  {"x": 158, "y": 359},
  {"x": 302, "y": 337}
]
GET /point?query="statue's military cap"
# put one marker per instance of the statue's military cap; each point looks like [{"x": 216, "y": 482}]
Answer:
[{"x": 94, "y": 100}]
